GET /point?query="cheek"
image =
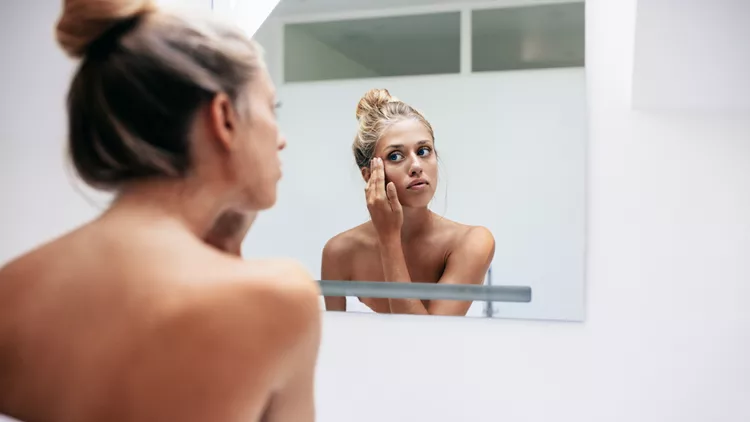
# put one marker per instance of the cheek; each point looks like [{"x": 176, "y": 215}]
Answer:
[
  {"x": 263, "y": 134},
  {"x": 267, "y": 128},
  {"x": 390, "y": 170},
  {"x": 432, "y": 166}
]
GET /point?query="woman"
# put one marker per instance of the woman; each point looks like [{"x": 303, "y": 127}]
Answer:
[
  {"x": 404, "y": 241},
  {"x": 147, "y": 313}
]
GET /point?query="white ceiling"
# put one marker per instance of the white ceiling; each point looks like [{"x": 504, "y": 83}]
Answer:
[{"x": 307, "y": 7}]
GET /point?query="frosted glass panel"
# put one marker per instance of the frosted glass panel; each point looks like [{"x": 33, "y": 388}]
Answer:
[
  {"x": 535, "y": 37},
  {"x": 377, "y": 47}
]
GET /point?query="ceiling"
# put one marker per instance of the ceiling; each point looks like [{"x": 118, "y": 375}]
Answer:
[{"x": 307, "y": 7}]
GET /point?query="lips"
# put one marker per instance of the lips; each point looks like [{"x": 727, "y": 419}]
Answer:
[{"x": 417, "y": 184}]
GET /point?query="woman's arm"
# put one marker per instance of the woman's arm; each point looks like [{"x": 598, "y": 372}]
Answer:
[
  {"x": 334, "y": 267},
  {"x": 395, "y": 270},
  {"x": 467, "y": 264},
  {"x": 387, "y": 217}
]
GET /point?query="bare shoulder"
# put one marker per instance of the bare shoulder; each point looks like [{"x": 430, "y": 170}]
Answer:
[
  {"x": 345, "y": 244},
  {"x": 245, "y": 335},
  {"x": 477, "y": 244},
  {"x": 279, "y": 292},
  {"x": 286, "y": 282},
  {"x": 176, "y": 316},
  {"x": 478, "y": 235},
  {"x": 472, "y": 239}
]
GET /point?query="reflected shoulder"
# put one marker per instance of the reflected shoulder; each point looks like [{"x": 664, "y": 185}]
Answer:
[
  {"x": 478, "y": 239},
  {"x": 345, "y": 243},
  {"x": 479, "y": 233}
]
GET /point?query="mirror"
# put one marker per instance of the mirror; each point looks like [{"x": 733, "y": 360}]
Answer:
[{"x": 492, "y": 208}]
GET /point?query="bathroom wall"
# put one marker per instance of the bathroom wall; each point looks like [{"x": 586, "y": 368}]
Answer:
[{"x": 667, "y": 336}]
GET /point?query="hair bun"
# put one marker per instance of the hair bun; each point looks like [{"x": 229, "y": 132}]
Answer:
[
  {"x": 84, "y": 21},
  {"x": 373, "y": 101}
]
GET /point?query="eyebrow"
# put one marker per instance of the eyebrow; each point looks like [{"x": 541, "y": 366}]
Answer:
[{"x": 397, "y": 146}]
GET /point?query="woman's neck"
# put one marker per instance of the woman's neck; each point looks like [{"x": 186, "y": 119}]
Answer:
[
  {"x": 194, "y": 206},
  {"x": 417, "y": 221}
]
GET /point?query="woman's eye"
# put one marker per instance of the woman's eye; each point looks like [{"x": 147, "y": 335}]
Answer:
[
  {"x": 394, "y": 156},
  {"x": 424, "y": 151}
]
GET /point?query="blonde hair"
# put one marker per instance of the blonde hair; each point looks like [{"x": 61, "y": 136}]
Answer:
[
  {"x": 143, "y": 75},
  {"x": 376, "y": 112}
]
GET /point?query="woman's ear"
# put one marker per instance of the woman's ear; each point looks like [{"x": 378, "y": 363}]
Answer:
[
  {"x": 365, "y": 173},
  {"x": 223, "y": 120}
]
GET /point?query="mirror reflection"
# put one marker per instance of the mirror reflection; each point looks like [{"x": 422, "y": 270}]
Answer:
[
  {"x": 436, "y": 147},
  {"x": 394, "y": 149}
]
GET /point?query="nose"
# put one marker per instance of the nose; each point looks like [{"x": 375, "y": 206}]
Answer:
[
  {"x": 415, "y": 167},
  {"x": 282, "y": 142}
]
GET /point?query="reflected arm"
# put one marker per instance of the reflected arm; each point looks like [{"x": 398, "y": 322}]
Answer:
[
  {"x": 467, "y": 264},
  {"x": 333, "y": 267},
  {"x": 395, "y": 270}
]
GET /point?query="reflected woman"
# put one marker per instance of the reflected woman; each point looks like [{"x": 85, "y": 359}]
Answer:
[{"x": 404, "y": 241}]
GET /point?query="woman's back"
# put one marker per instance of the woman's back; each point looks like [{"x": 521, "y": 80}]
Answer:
[
  {"x": 136, "y": 320},
  {"x": 142, "y": 315}
]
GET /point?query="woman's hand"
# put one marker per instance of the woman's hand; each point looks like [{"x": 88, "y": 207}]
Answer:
[
  {"x": 229, "y": 231},
  {"x": 382, "y": 202}
]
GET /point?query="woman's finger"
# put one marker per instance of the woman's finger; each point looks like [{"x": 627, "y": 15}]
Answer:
[
  {"x": 393, "y": 198},
  {"x": 380, "y": 178},
  {"x": 369, "y": 191}
]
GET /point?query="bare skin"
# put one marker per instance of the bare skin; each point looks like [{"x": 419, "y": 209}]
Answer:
[
  {"x": 149, "y": 314},
  {"x": 404, "y": 241}
]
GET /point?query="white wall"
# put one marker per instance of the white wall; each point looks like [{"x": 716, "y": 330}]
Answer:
[
  {"x": 37, "y": 196},
  {"x": 700, "y": 62},
  {"x": 667, "y": 336},
  {"x": 512, "y": 148}
]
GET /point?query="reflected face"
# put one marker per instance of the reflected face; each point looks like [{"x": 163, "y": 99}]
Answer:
[
  {"x": 258, "y": 163},
  {"x": 410, "y": 162}
]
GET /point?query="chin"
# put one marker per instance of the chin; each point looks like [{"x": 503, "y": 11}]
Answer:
[
  {"x": 259, "y": 201},
  {"x": 416, "y": 199},
  {"x": 268, "y": 202}
]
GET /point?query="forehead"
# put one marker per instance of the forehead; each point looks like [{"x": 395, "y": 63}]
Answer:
[{"x": 406, "y": 132}]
